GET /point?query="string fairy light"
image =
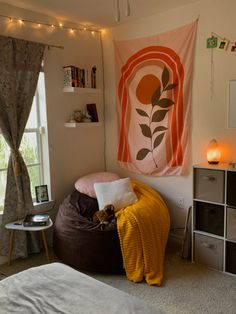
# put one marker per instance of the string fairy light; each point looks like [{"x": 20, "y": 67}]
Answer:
[
  {"x": 229, "y": 45},
  {"x": 52, "y": 26},
  {"x": 222, "y": 38}
]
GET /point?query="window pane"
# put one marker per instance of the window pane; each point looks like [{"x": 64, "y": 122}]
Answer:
[
  {"x": 34, "y": 173},
  {"x": 4, "y": 153},
  {"x": 30, "y": 145},
  {"x": 28, "y": 148},
  {"x": 32, "y": 120},
  {"x": 3, "y": 182}
]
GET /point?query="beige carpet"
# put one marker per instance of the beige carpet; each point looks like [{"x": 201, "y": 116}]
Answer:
[
  {"x": 187, "y": 288},
  {"x": 25, "y": 263}
]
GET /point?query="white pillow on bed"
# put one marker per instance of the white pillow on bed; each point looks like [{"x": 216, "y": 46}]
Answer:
[{"x": 119, "y": 193}]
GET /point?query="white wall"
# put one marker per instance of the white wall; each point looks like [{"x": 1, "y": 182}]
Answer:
[
  {"x": 209, "y": 114},
  {"x": 73, "y": 152}
]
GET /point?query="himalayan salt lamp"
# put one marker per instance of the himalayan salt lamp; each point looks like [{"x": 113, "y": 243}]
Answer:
[{"x": 213, "y": 152}]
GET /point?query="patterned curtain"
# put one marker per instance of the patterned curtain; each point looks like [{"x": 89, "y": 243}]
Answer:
[{"x": 20, "y": 63}]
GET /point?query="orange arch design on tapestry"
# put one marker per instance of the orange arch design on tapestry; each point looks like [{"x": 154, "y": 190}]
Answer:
[
  {"x": 124, "y": 112},
  {"x": 172, "y": 59},
  {"x": 177, "y": 150},
  {"x": 125, "y": 123},
  {"x": 159, "y": 64}
]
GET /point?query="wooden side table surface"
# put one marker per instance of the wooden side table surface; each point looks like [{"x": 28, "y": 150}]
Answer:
[{"x": 18, "y": 225}]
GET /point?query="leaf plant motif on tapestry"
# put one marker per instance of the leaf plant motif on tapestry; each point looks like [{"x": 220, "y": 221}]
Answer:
[{"x": 154, "y": 80}]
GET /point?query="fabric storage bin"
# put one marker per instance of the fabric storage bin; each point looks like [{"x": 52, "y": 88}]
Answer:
[
  {"x": 209, "y": 218},
  {"x": 231, "y": 223},
  {"x": 209, "y": 251},
  {"x": 230, "y": 257},
  {"x": 231, "y": 188},
  {"x": 209, "y": 185}
]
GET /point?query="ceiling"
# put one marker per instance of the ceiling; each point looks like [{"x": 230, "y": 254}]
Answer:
[{"x": 100, "y": 13}]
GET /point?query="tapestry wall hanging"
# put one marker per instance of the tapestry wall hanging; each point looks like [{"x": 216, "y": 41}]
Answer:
[{"x": 154, "y": 81}]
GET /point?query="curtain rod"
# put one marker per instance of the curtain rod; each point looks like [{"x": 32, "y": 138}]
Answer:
[
  {"x": 46, "y": 45},
  {"x": 53, "y": 46}
]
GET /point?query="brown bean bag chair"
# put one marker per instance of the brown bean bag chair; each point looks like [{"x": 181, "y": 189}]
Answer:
[{"x": 83, "y": 244}]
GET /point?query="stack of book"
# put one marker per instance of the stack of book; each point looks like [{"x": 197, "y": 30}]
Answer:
[
  {"x": 76, "y": 77},
  {"x": 36, "y": 220}
]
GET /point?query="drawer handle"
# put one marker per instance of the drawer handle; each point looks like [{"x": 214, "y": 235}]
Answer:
[
  {"x": 208, "y": 178},
  {"x": 207, "y": 245}
]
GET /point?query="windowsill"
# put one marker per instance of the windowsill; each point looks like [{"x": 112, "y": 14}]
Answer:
[
  {"x": 39, "y": 207},
  {"x": 44, "y": 206}
]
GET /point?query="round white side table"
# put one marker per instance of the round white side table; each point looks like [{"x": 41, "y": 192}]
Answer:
[{"x": 18, "y": 225}]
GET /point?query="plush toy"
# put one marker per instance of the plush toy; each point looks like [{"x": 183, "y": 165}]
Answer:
[{"x": 105, "y": 215}]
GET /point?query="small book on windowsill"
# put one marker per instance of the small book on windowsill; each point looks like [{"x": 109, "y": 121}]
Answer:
[{"x": 36, "y": 220}]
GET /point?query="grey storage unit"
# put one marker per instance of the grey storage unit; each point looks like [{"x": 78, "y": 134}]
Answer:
[
  {"x": 214, "y": 216},
  {"x": 209, "y": 185},
  {"x": 209, "y": 218},
  {"x": 231, "y": 223},
  {"x": 230, "y": 265},
  {"x": 209, "y": 251}
]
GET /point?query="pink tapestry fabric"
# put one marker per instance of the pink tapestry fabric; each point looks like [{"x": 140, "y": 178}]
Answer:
[{"x": 154, "y": 81}]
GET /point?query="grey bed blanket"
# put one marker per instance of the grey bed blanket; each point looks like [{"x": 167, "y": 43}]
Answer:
[{"x": 57, "y": 288}]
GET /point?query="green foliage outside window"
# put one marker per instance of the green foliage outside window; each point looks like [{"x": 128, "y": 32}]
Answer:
[{"x": 29, "y": 152}]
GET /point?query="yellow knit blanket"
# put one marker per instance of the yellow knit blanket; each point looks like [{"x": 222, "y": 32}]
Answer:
[{"x": 143, "y": 231}]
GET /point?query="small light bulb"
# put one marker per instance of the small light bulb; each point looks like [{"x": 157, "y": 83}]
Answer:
[
  {"x": 52, "y": 26},
  {"x": 85, "y": 28},
  {"x": 39, "y": 25},
  {"x": 20, "y": 22},
  {"x": 60, "y": 24},
  {"x": 72, "y": 31},
  {"x": 92, "y": 32},
  {"x": 10, "y": 20}
]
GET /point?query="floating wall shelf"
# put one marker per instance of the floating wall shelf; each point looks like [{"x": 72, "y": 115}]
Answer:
[
  {"x": 80, "y": 90},
  {"x": 82, "y": 124}
]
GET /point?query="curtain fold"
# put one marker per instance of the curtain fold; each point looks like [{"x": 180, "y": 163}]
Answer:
[{"x": 20, "y": 63}]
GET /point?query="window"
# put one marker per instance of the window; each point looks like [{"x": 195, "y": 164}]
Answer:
[{"x": 33, "y": 145}]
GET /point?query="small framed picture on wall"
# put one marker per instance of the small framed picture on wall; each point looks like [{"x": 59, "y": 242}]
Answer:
[
  {"x": 41, "y": 192},
  {"x": 223, "y": 45}
]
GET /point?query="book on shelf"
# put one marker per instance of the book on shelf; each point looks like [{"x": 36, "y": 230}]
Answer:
[
  {"x": 92, "y": 111},
  {"x": 81, "y": 78},
  {"x": 76, "y": 77},
  {"x": 69, "y": 75},
  {"x": 36, "y": 220},
  {"x": 87, "y": 78}
]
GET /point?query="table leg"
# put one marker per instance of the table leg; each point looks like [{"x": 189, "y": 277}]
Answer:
[
  {"x": 45, "y": 245},
  {"x": 11, "y": 238}
]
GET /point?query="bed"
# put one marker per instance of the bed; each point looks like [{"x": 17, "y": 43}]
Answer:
[{"x": 57, "y": 288}]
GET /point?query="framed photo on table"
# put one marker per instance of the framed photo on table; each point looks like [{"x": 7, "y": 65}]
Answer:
[{"x": 41, "y": 192}]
